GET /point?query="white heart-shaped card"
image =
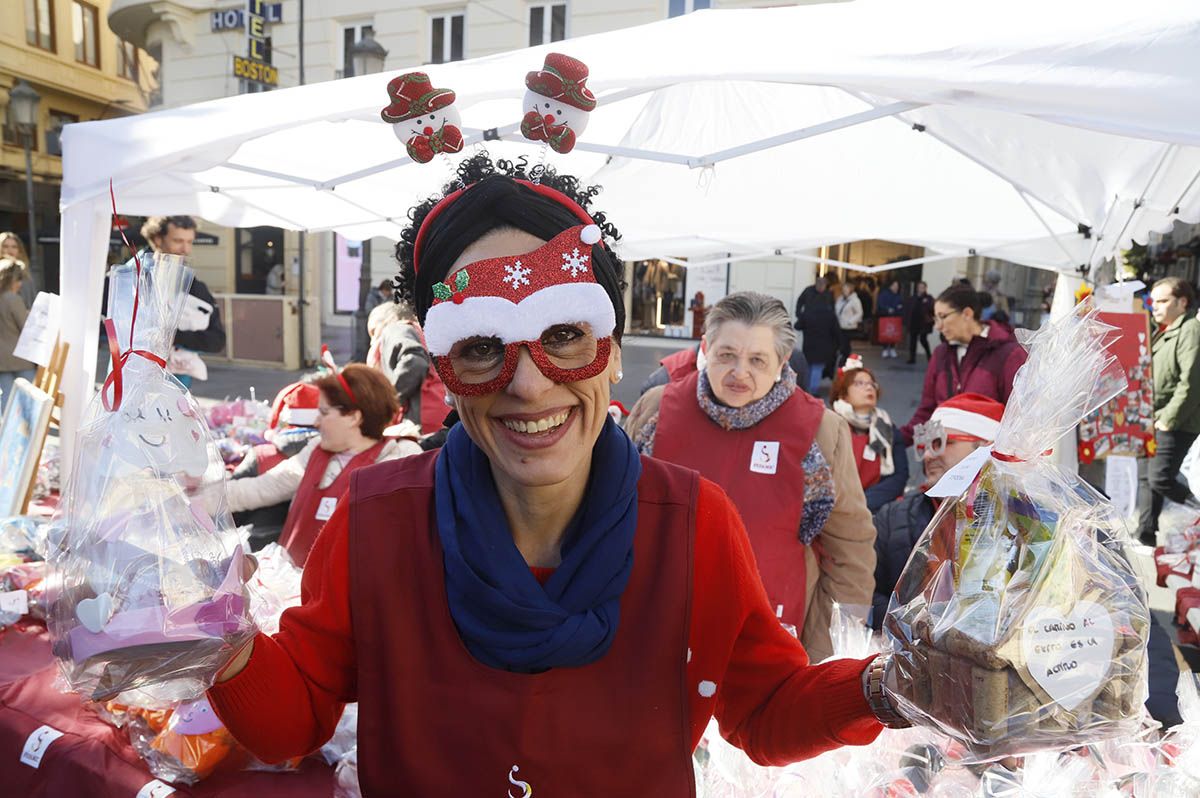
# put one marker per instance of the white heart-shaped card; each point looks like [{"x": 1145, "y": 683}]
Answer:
[
  {"x": 94, "y": 613},
  {"x": 1069, "y": 655}
]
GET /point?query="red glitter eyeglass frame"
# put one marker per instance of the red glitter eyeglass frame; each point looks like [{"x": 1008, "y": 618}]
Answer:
[{"x": 512, "y": 354}]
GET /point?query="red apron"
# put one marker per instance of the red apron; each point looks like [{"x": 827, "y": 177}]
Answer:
[
  {"x": 680, "y": 364},
  {"x": 762, "y": 471},
  {"x": 868, "y": 470},
  {"x": 435, "y": 721},
  {"x": 312, "y": 505},
  {"x": 433, "y": 395}
]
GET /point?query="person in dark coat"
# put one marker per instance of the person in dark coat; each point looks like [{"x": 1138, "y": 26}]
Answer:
[
  {"x": 815, "y": 317},
  {"x": 889, "y": 304},
  {"x": 976, "y": 357},
  {"x": 919, "y": 320}
]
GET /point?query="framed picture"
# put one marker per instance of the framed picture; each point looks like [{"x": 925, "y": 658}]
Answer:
[{"x": 22, "y": 432}]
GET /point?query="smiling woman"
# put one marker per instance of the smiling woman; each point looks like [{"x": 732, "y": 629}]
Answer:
[{"x": 535, "y": 574}]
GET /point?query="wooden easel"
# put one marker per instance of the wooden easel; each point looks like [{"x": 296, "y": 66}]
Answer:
[{"x": 48, "y": 380}]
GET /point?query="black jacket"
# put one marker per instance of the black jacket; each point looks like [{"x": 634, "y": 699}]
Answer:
[
  {"x": 898, "y": 526},
  {"x": 816, "y": 318}
]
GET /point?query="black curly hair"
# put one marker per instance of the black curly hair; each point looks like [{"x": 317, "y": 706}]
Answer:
[{"x": 496, "y": 202}]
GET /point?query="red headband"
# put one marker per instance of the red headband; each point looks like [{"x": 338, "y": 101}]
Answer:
[
  {"x": 327, "y": 360},
  {"x": 546, "y": 191}
]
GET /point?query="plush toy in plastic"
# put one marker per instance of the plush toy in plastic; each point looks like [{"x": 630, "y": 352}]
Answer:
[
  {"x": 149, "y": 572},
  {"x": 557, "y": 102},
  {"x": 192, "y": 745},
  {"x": 423, "y": 117}
]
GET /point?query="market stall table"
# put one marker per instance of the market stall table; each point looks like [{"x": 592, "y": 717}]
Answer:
[{"x": 92, "y": 757}]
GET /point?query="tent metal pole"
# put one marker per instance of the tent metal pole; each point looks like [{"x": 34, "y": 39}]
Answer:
[
  {"x": 1045, "y": 224},
  {"x": 1168, "y": 152},
  {"x": 254, "y": 170},
  {"x": 875, "y": 112},
  {"x": 1174, "y": 209},
  {"x": 328, "y": 185}
]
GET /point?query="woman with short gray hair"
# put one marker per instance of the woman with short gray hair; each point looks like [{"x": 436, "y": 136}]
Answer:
[{"x": 784, "y": 460}]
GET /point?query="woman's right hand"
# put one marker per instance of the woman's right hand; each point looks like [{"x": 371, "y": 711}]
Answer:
[{"x": 238, "y": 663}]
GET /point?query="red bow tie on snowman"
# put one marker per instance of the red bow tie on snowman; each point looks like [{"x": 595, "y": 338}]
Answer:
[
  {"x": 423, "y": 117},
  {"x": 557, "y": 102}
]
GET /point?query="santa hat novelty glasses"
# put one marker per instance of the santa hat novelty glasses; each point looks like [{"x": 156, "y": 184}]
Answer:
[{"x": 547, "y": 301}]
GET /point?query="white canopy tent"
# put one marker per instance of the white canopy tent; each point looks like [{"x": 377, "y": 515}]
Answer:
[{"x": 1050, "y": 134}]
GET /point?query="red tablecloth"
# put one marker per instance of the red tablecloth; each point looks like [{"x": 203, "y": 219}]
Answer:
[{"x": 92, "y": 758}]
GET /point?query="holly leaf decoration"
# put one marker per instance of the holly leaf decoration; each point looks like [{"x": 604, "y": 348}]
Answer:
[
  {"x": 441, "y": 291},
  {"x": 461, "y": 280}
]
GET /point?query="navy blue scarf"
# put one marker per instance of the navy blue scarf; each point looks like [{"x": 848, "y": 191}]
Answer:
[{"x": 505, "y": 617}]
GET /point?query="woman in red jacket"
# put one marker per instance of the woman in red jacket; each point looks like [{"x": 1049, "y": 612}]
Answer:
[
  {"x": 974, "y": 357},
  {"x": 533, "y": 604}
]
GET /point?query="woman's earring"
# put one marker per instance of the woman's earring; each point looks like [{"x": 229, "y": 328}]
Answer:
[
  {"x": 448, "y": 399},
  {"x": 780, "y": 377},
  {"x": 620, "y": 375}
]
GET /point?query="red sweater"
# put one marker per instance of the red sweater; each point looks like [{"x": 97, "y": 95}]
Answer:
[{"x": 771, "y": 703}]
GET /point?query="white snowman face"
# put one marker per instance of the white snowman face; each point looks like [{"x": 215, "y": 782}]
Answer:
[
  {"x": 428, "y": 124},
  {"x": 556, "y": 112},
  {"x": 161, "y": 430}
]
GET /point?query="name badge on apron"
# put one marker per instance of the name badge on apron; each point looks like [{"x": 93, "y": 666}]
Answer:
[
  {"x": 869, "y": 453},
  {"x": 765, "y": 457},
  {"x": 325, "y": 508}
]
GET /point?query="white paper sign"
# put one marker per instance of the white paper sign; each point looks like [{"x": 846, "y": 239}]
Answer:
[
  {"x": 36, "y": 745},
  {"x": 1069, "y": 655},
  {"x": 325, "y": 509},
  {"x": 155, "y": 789},
  {"x": 14, "y": 601},
  {"x": 1121, "y": 483},
  {"x": 764, "y": 459},
  {"x": 41, "y": 329},
  {"x": 955, "y": 481}
]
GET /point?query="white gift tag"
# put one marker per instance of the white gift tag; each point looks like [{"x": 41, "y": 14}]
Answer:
[
  {"x": 955, "y": 481},
  {"x": 37, "y": 743},
  {"x": 764, "y": 459},
  {"x": 326, "y": 508},
  {"x": 155, "y": 789},
  {"x": 14, "y": 601},
  {"x": 1069, "y": 655}
]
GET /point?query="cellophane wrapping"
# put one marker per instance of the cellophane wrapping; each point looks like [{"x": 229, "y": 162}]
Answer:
[
  {"x": 1018, "y": 625},
  {"x": 1179, "y": 773},
  {"x": 149, "y": 567}
]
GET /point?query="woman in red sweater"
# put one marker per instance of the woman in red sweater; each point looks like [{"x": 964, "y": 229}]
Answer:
[{"x": 534, "y": 606}]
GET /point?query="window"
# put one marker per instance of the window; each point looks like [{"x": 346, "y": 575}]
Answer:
[
  {"x": 56, "y": 120},
  {"x": 547, "y": 23},
  {"x": 677, "y": 8},
  {"x": 352, "y": 35},
  {"x": 127, "y": 60},
  {"x": 446, "y": 38},
  {"x": 87, "y": 31},
  {"x": 39, "y": 23},
  {"x": 13, "y": 136}
]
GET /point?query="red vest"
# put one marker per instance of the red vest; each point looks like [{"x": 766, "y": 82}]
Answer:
[
  {"x": 762, "y": 471},
  {"x": 302, "y": 524},
  {"x": 267, "y": 455},
  {"x": 868, "y": 470},
  {"x": 680, "y": 364},
  {"x": 433, "y": 720}
]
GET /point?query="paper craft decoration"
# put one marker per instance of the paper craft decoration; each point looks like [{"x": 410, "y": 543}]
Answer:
[
  {"x": 1017, "y": 624},
  {"x": 557, "y": 102},
  {"x": 151, "y": 600},
  {"x": 423, "y": 117},
  {"x": 22, "y": 431},
  {"x": 1125, "y": 424}
]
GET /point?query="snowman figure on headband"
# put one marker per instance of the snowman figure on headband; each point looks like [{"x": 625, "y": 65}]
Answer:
[
  {"x": 557, "y": 102},
  {"x": 423, "y": 117}
]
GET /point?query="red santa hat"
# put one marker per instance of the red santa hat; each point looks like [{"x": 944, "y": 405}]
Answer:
[
  {"x": 563, "y": 78},
  {"x": 853, "y": 362},
  {"x": 972, "y": 414},
  {"x": 296, "y": 406}
]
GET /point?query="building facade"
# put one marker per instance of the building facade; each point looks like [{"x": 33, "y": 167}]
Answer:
[{"x": 82, "y": 72}]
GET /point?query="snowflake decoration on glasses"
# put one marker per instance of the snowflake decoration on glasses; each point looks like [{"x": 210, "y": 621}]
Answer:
[
  {"x": 516, "y": 275},
  {"x": 574, "y": 262}
]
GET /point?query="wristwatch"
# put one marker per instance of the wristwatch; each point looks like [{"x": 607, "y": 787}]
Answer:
[{"x": 877, "y": 699}]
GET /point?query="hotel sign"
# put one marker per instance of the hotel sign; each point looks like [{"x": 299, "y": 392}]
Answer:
[
  {"x": 254, "y": 66},
  {"x": 235, "y": 18}
]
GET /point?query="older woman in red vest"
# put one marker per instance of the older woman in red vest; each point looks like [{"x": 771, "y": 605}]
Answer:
[
  {"x": 785, "y": 461},
  {"x": 534, "y": 606},
  {"x": 355, "y": 406}
]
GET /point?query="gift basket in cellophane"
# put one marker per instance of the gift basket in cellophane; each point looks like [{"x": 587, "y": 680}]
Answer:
[
  {"x": 150, "y": 602},
  {"x": 1018, "y": 625}
]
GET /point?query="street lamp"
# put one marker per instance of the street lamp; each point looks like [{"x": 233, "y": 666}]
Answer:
[
  {"x": 23, "y": 104},
  {"x": 366, "y": 58}
]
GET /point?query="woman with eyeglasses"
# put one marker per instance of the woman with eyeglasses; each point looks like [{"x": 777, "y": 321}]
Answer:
[
  {"x": 974, "y": 356},
  {"x": 534, "y": 607},
  {"x": 877, "y": 444},
  {"x": 784, "y": 460}
]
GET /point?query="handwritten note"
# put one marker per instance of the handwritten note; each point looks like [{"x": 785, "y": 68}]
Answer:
[{"x": 41, "y": 329}]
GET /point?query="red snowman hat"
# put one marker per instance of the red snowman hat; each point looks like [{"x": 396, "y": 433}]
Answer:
[
  {"x": 563, "y": 78},
  {"x": 413, "y": 95},
  {"x": 852, "y": 363},
  {"x": 971, "y": 413},
  {"x": 296, "y": 405},
  {"x": 518, "y": 297}
]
